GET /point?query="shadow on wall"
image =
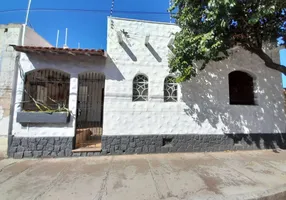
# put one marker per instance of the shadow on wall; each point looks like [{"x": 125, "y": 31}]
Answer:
[
  {"x": 128, "y": 51},
  {"x": 77, "y": 64},
  {"x": 112, "y": 71},
  {"x": 261, "y": 141},
  {"x": 153, "y": 52},
  {"x": 207, "y": 102},
  {"x": 203, "y": 104}
]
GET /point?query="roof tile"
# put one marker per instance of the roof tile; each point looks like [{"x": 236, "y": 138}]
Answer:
[{"x": 33, "y": 49}]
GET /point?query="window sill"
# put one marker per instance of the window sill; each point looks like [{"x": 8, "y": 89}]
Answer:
[
  {"x": 246, "y": 105},
  {"x": 42, "y": 117}
]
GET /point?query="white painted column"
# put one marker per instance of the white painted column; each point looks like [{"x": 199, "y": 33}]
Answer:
[
  {"x": 19, "y": 95},
  {"x": 73, "y": 98},
  {"x": 156, "y": 88}
]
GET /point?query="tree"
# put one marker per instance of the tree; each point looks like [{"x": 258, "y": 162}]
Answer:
[{"x": 209, "y": 28}]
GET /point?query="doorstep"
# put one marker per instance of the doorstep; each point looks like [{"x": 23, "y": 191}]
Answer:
[
  {"x": 87, "y": 149},
  {"x": 88, "y": 146}
]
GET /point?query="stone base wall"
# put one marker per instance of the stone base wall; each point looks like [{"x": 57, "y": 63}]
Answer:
[
  {"x": 20, "y": 147},
  {"x": 190, "y": 143}
]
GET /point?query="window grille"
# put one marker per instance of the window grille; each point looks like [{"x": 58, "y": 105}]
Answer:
[
  {"x": 170, "y": 90},
  {"x": 140, "y": 88},
  {"x": 46, "y": 90}
]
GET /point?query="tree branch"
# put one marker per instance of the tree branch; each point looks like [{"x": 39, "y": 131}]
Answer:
[{"x": 268, "y": 60}]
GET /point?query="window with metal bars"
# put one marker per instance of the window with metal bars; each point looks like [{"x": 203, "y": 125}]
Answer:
[
  {"x": 140, "y": 88},
  {"x": 170, "y": 89},
  {"x": 46, "y": 89}
]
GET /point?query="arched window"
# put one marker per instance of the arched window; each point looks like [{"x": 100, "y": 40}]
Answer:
[
  {"x": 140, "y": 88},
  {"x": 241, "y": 88},
  {"x": 170, "y": 90},
  {"x": 46, "y": 89}
]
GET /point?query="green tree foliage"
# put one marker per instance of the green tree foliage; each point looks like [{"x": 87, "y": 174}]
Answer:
[{"x": 209, "y": 28}]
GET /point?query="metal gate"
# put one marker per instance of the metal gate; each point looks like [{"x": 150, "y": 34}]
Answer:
[{"x": 90, "y": 102}]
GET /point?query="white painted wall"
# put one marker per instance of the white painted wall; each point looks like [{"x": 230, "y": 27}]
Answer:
[
  {"x": 72, "y": 65},
  {"x": 203, "y": 107},
  {"x": 9, "y": 34}
]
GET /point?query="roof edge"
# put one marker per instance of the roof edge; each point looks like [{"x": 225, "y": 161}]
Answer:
[
  {"x": 11, "y": 25},
  {"x": 56, "y": 50},
  {"x": 141, "y": 20}
]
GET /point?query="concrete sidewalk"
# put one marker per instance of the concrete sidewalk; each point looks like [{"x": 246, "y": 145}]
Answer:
[{"x": 225, "y": 175}]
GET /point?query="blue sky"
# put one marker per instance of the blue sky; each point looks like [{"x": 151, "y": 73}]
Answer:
[
  {"x": 283, "y": 61},
  {"x": 88, "y": 28}
]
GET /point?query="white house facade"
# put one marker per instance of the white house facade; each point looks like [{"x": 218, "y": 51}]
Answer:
[
  {"x": 11, "y": 34},
  {"x": 125, "y": 100}
]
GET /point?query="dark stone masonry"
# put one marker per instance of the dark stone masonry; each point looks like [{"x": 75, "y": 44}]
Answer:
[
  {"x": 115, "y": 145},
  {"x": 40, "y": 147},
  {"x": 190, "y": 143}
]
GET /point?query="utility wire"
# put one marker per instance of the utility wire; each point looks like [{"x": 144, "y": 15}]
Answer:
[
  {"x": 170, "y": 4},
  {"x": 85, "y": 10},
  {"x": 112, "y": 6}
]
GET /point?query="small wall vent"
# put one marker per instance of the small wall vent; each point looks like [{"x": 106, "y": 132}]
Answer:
[{"x": 167, "y": 142}]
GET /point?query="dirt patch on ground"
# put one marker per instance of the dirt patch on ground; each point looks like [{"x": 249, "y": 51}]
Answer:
[{"x": 211, "y": 182}]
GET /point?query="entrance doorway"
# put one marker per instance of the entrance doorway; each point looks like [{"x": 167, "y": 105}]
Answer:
[{"x": 89, "y": 119}]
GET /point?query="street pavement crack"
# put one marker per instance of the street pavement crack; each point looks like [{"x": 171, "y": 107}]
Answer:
[
  {"x": 104, "y": 182},
  {"x": 59, "y": 178},
  {"x": 7, "y": 166},
  {"x": 233, "y": 168},
  {"x": 160, "y": 195},
  {"x": 13, "y": 177}
]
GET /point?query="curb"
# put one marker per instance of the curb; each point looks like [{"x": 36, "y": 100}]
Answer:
[
  {"x": 278, "y": 193},
  {"x": 273, "y": 194}
]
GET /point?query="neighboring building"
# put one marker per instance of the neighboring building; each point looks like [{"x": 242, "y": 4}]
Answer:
[
  {"x": 126, "y": 101},
  {"x": 11, "y": 34}
]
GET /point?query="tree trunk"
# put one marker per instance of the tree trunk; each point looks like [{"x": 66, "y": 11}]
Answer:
[{"x": 268, "y": 60}]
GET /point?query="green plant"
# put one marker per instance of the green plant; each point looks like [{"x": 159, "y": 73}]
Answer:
[
  {"x": 209, "y": 28},
  {"x": 45, "y": 108}
]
